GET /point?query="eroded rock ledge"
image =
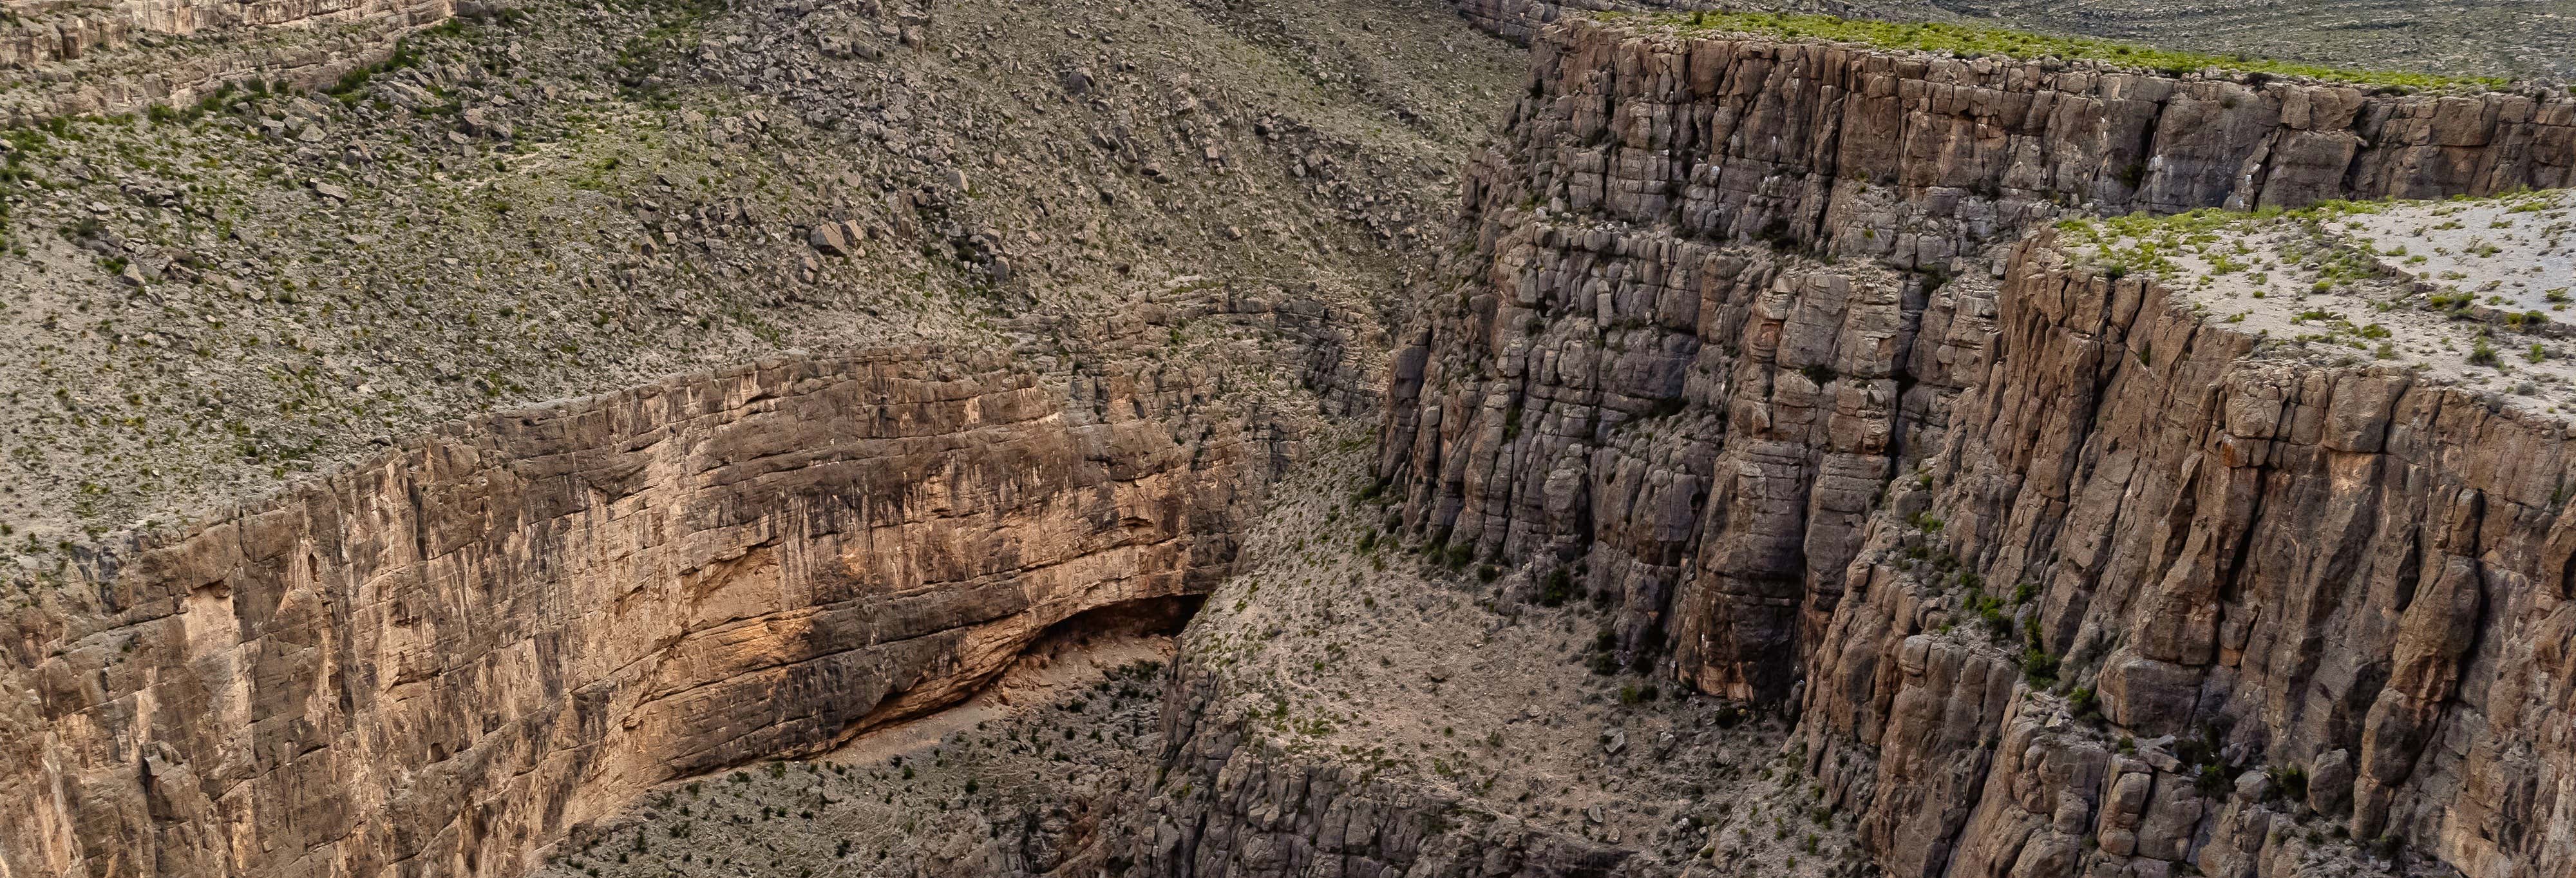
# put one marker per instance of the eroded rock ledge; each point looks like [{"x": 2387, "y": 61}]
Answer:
[
  {"x": 439, "y": 660},
  {"x": 2306, "y": 597},
  {"x": 1658, "y": 375},
  {"x": 1916, "y": 159},
  {"x": 1615, "y": 276}
]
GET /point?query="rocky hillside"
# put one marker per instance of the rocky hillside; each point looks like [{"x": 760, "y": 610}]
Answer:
[
  {"x": 202, "y": 305},
  {"x": 75, "y": 58},
  {"x": 357, "y": 523}
]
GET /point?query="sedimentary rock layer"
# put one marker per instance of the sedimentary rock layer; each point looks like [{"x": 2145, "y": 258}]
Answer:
[
  {"x": 2271, "y": 575},
  {"x": 435, "y": 662},
  {"x": 2354, "y": 574},
  {"x": 1701, "y": 429},
  {"x": 1596, "y": 293},
  {"x": 48, "y": 32},
  {"x": 1915, "y": 159}
]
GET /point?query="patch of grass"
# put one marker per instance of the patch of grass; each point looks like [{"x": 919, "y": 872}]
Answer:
[
  {"x": 2482, "y": 353},
  {"x": 2142, "y": 243},
  {"x": 1974, "y": 41}
]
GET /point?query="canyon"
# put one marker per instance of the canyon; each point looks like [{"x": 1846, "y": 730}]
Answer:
[{"x": 1783, "y": 455}]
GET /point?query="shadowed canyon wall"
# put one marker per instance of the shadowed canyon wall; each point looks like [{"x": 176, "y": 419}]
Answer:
[
  {"x": 2329, "y": 570},
  {"x": 440, "y": 660}
]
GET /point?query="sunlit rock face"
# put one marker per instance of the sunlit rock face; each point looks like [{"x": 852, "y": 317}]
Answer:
[{"x": 437, "y": 661}]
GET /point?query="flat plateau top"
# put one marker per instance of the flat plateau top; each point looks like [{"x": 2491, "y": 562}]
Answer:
[
  {"x": 1974, "y": 41},
  {"x": 2472, "y": 291}
]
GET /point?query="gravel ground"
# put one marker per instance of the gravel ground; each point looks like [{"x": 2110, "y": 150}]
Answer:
[{"x": 2466, "y": 291}]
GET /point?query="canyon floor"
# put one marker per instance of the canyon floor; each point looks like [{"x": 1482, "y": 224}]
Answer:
[{"x": 1337, "y": 644}]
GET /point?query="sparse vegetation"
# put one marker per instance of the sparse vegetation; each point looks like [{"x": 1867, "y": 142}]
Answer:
[{"x": 1973, "y": 41}]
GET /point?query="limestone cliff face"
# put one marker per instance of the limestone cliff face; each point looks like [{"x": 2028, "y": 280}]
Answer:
[
  {"x": 2343, "y": 571},
  {"x": 48, "y": 32},
  {"x": 1601, "y": 290},
  {"x": 1739, "y": 447},
  {"x": 1700, "y": 430},
  {"x": 436, "y": 662},
  {"x": 1915, "y": 159}
]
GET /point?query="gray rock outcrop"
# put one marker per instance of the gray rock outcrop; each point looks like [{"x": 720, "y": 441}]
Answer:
[{"x": 1783, "y": 468}]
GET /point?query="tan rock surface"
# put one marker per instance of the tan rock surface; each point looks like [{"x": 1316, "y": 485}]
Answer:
[
  {"x": 435, "y": 662},
  {"x": 2066, "y": 577},
  {"x": 1916, "y": 159}
]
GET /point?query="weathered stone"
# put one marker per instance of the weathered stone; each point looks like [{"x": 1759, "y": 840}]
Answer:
[
  {"x": 2264, "y": 560},
  {"x": 522, "y": 622},
  {"x": 2330, "y": 782},
  {"x": 831, "y": 239}
]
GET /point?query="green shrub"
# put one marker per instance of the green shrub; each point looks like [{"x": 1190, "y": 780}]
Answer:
[
  {"x": 2038, "y": 667},
  {"x": 2289, "y": 782},
  {"x": 2084, "y": 703},
  {"x": 1556, "y": 588},
  {"x": 2211, "y": 779},
  {"x": 1990, "y": 613}
]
